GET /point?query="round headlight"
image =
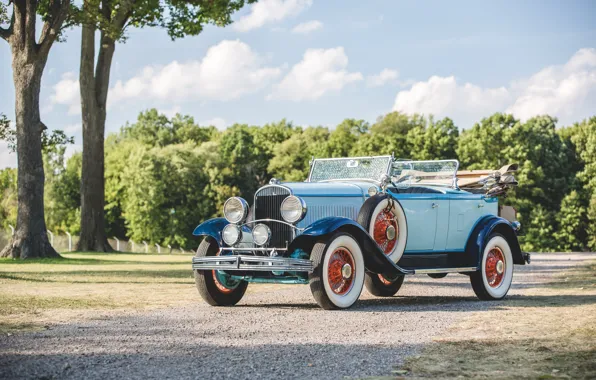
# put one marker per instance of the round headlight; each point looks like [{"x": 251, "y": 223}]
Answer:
[
  {"x": 293, "y": 209},
  {"x": 235, "y": 210},
  {"x": 231, "y": 234},
  {"x": 261, "y": 234},
  {"x": 372, "y": 191}
]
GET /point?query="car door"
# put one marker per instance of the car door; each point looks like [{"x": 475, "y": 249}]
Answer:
[{"x": 421, "y": 215}]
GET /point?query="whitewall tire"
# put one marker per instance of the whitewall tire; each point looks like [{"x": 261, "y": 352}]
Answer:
[
  {"x": 493, "y": 280},
  {"x": 338, "y": 276},
  {"x": 385, "y": 220}
]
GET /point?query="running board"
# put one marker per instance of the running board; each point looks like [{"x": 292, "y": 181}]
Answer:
[{"x": 445, "y": 270}]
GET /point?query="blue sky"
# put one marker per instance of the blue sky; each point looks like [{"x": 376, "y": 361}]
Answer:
[{"x": 317, "y": 62}]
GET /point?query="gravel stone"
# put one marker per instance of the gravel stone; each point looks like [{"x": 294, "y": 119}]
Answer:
[{"x": 271, "y": 334}]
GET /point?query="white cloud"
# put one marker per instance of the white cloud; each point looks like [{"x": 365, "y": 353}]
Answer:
[
  {"x": 229, "y": 70},
  {"x": 8, "y": 159},
  {"x": 384, "y": 77},
  {"x": 269, "y": 11},
  {"x": 217, "y": 122},
  {"x": 171, "y": 112},
  {"x": 307, "y": 27},
  {"x": 320, "y": 71},
  {"x": 72, "y": 128},
  {"x": 566, "y": 91},
  {"x": 442, "y": 96},
  {"x": 66, "y": 92}
]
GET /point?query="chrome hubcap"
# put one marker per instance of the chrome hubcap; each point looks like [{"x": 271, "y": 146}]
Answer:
[
  {"x": 346, "y": 271},
  {"x": 390, "y": 232},
  {"x": 500, "y": 267}
]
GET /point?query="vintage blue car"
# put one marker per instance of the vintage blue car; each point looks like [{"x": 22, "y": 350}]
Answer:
[{"x": 363, "y": 221}]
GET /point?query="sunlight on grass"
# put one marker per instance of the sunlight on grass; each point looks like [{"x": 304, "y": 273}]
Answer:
[
  {"x": 548, "y": 334},
  {"x": 34, "y": 293}
]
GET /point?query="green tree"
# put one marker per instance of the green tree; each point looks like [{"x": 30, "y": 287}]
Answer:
[
  {"x": 572, "y": 223},
  {"x": 389, "y": 135},
  {"x": 63, "y": 196},
  {"x": 29, "y": 57},
  {"x": 165, "y": 194},
  {"x": 111, "y": 18},
  {"x": 482, "y": 146},
  {"x": 436, "y": 141}
]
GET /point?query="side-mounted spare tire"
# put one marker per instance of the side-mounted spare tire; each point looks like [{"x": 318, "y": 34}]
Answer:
[{"x": 385, "y": 220}]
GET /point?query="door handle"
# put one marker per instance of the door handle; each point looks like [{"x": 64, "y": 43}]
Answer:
[
  {"x": 480, "y": 205},
  {"x": 435, "y": 205}
]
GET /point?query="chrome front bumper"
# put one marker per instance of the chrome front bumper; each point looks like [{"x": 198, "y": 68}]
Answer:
[{"x": 252, "y": 263}]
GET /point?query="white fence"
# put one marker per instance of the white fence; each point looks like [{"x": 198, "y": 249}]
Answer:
[{"x": 67, "y": 242}]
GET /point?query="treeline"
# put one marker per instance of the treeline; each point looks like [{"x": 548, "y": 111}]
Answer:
[{"x": 166, "y": 175}]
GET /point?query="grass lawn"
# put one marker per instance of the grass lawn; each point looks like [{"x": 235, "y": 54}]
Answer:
[
  {"x": 549, "y": 335},
  {"x": 38, "y": 293}
]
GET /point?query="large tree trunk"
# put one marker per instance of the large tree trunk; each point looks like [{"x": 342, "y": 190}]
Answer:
[
  {"x": 94, "y": 89},
  {"x": 30, "y": 238}
]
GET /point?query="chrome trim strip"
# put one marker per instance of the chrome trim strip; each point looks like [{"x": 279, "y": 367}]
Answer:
[
  {"x": 253, "y": 249},
  {"x": 272, "y": 220},
  {"x": 445, "y": 270},
  {"x": 252, "y": 263}
]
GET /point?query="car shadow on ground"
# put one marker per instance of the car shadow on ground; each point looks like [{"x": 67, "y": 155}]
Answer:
[{"x": 440, "y": 303}]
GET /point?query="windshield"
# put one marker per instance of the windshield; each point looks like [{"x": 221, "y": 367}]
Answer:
[
  {"x": 365, "y": 168},
  {"x": 437, "y": 173}
]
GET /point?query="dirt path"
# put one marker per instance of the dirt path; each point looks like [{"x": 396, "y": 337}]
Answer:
[{"x": 273, "y": 333}]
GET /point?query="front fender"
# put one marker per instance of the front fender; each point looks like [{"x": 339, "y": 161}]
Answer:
[
  {"x": 374, "y": 259},
  {"x": 484, "y": 228},
  {"x": 212, "y": 228}
]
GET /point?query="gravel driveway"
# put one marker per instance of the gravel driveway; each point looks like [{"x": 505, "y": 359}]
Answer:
[{"x": 274, "y": 333}]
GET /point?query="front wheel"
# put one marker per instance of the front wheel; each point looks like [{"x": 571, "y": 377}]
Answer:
[
  {"x": 493, "y": 280},
  {"x": 338, "y": 276},
  {"x": 380, "y": 286},
  {"x": 215, "y": 287}
]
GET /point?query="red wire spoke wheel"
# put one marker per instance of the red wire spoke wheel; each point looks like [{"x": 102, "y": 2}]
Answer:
[
  {"x": 341, "y": 271},
  {"x": 338, "y": 275},
  {"x": 221, "y": 287},
  {"x": 384, "y": 281},
  {"x": 495, "y": 267},
  {"x": 493, "y": 278},
  {"x": 386, "y": 231},
  {"x": 215, "y": 287},
  {"x": 384, "y": 219}
]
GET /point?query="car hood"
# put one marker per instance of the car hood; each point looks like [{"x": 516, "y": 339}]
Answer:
[{"x": 330, "y": 189}]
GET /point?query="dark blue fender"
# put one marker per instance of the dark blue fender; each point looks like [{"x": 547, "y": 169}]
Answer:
[
  {"x": 374, "y": 259},
  {"x": 484, "y": 228},
  {"x": 213, "y": 228}
]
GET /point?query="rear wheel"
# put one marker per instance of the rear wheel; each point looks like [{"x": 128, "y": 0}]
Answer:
[
  {"x": 380, "y": 286},
  {"x": 215, "y": 287},
  {"x": 338, "y": 276},
  {"x": 493, "y": 280}
]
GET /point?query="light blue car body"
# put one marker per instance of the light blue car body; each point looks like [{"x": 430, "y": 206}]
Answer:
[
  {"x": 440, "y": 220},
  {"x": 443, "y": 228}
]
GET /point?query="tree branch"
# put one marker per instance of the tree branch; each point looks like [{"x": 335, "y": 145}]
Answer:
[{"x": 51, "y": 28}]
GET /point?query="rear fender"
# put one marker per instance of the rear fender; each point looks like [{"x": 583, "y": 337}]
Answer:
[
  {"x": 374, "y": 259},
  {"x": 484, "y": 228}
]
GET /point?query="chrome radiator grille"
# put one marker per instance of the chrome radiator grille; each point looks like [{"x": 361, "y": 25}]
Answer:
[{"x": 267, "y": 203}]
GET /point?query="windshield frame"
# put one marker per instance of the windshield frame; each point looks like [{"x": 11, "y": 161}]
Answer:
[
  {"x": 453, "y": 184},
  {"x": 390, "y": 161},
  {"x": 388, "y": 172}
]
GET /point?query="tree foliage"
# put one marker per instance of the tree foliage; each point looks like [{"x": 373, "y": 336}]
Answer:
[{"x": 165, "y": 175}]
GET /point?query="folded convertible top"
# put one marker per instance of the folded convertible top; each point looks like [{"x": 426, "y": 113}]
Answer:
[{"x": 490, "y": 182}]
